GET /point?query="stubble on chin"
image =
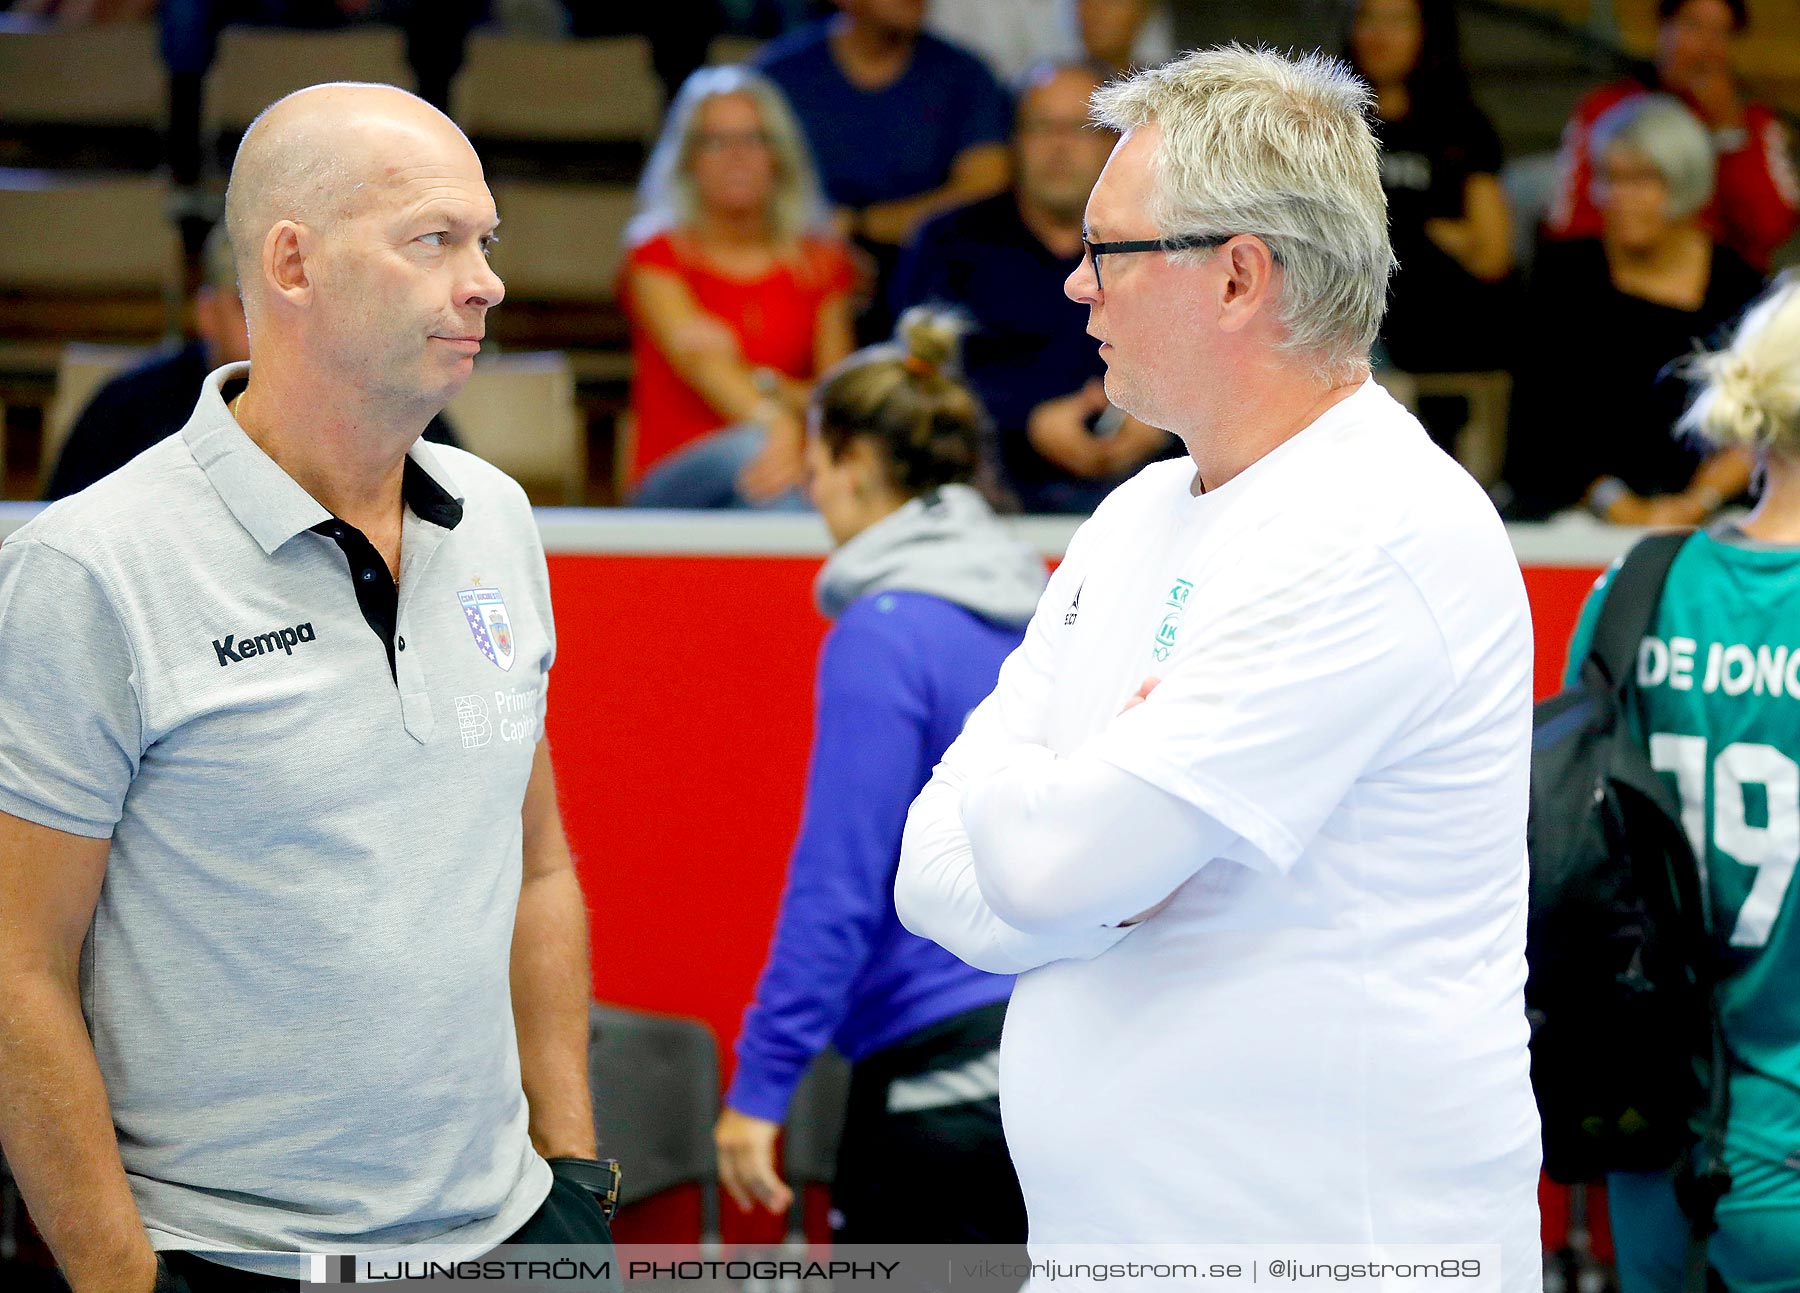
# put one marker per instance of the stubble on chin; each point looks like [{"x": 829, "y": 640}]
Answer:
[{"x": 1121, "y": 395}]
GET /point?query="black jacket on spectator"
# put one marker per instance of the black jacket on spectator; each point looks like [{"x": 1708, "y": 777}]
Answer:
[
  {"x": 1426, "y": 159},
  {"x": 1593, "y": 395},
  {"x": 142, "y": 406}
]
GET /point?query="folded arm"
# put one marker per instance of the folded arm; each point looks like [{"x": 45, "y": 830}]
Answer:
[
  {"x": 1062, "y": 846},
  {"x": 939, "y": 895}
]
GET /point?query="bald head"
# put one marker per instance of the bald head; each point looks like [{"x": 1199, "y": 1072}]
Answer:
[
  {"x": 361, "y": 223},
  {"x": 316, "y": 156}
]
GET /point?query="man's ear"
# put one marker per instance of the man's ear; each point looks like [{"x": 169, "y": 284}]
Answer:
[
  {"x": 1249, "y": 281},
  {"x": 284, "y": 261}
]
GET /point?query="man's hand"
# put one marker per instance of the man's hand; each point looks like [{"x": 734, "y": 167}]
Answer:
[
  {"x": 1141, "y": 695},
  {"x": 780, "y": 466},
  {"x": 1058, "y": 429},
  {"x": 746, "y": 1148}
]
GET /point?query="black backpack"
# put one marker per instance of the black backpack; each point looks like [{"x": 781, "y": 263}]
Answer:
[{"x": 1626, "y": 1053}]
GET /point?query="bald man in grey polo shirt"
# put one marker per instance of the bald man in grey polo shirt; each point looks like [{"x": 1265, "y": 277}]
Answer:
[{"x": 292, "y": 954}]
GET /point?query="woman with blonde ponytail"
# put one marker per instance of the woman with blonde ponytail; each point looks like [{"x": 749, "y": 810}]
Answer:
[
  {"x": 1719, "y": 707},
  {"x": 929, "y": 593},
  {"x": 1751, "y": 393}
]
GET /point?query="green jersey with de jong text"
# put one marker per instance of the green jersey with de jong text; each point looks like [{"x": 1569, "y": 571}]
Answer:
[{"x": 1719, "y": 686}]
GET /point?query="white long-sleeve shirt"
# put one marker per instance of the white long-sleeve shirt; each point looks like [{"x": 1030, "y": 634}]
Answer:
[
  {"x": 937, "y": 893},
  {"x": 1321, "y": 1038}
]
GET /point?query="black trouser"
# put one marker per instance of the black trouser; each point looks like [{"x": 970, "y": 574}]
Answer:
[
  {"x": 568, "y": 1215},
  {"x": 935, "y": 1176}
]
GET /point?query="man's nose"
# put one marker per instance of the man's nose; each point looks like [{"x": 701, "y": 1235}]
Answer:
[
  {"x": 1083, "y": 282},
  {"x": 484, "y": 287}
]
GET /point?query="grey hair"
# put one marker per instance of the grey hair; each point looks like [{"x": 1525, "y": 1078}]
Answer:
[
  {"x": 1255, "y": 142},
  {"x": 666, "y": 199},
  {"x": 1750, "y": 390},
  {"x": 1670, "y": 137}
]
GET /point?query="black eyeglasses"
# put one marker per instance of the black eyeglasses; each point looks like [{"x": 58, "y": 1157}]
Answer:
[{"x": 1187, "y": 242}]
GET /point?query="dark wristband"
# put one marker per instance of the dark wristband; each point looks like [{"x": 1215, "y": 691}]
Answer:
[
  {"x": 166, "y": 1281},
  {"x": 598, "y": 1176}
]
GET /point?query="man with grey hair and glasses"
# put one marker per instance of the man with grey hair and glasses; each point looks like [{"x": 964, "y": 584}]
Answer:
[{"x": 1246, "y": 811}]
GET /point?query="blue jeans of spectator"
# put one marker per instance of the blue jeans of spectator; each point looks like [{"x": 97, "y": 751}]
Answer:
[{"x": 704, "y": 475}]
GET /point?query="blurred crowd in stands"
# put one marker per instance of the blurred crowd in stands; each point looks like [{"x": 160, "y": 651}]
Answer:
[{"x": 878, "y": 154}]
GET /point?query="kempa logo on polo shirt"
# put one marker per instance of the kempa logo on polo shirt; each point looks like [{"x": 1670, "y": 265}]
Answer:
[{"x": 284, "y": 640}]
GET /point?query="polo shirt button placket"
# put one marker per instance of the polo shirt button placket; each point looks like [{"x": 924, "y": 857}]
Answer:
[{"x": 409, "y": 675}]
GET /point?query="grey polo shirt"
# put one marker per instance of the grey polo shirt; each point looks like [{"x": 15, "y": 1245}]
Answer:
[{"x": 296, "y": 979}]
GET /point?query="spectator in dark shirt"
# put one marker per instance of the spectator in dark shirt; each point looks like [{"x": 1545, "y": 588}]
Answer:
[
  {"x": 1440, "y": 167},
  {"x": 154, "y": 400},
  {"x": 903, "y": 125},
  {"x": 1002, "y": 261},
  {"x": 1595, "y": 405}
]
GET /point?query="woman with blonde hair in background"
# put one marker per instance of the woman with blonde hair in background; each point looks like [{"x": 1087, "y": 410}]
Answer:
[
  {"x": 929, "y": 593},
  {"x": 738, "y": 296},
  {"x": 1717, "y": 714}
]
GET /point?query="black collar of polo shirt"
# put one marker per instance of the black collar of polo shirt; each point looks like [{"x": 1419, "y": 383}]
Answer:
[
  {"x": 376, "y": 593},
  {"x": 428, "y": 500}
]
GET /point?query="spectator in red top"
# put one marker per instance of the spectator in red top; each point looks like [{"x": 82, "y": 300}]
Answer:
[
  {"x": 1756, "y": 206},
  {"x": 738, "y": 294}
]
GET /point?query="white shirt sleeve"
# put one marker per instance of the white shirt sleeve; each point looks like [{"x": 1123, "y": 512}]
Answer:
[
  {"x": 1301, "y": 667},
  {"x": 936, "y": 891},
  {"x": 1063, "y": 845}
]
